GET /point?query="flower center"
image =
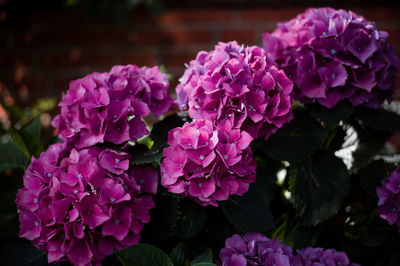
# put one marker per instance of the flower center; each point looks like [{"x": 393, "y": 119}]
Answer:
[{"x": 112, "y": 199}]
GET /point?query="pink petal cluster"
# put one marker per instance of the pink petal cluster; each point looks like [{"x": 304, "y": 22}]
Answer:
[
  {"x": 79, "y": 206},
  {"x": 254, "y": 249},
  {"x": 108, "y": 107},
  {"x": 332, "y": 55},
  {"x": 389, "y": 198},
  {"x": 207, "y": 162},
  {"x": 319, "y": 256},
  {"x": 257, "y": 249},
  {"x": 238, "y": 83}
]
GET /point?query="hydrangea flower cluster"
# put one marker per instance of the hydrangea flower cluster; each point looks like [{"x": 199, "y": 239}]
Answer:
[
  {"x": 208, "y": 163},
  {"x": 257, "y": 249},
  {"x": 389, "y": 198},
  {"x": 109, "y": 106},
  {"x": 81, "y": 205},
  {"x": 319, "y": 256},
  {"x": 332, "y": 55},
  {"x": 254, "y": 249},
  {"x": 238, "y": 83}
]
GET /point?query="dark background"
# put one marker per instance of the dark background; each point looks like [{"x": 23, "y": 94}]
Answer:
[{"x": 44, "y": 44}]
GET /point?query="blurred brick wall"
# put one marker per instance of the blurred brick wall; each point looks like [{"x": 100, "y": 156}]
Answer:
[{"x": 48, "y": 49}]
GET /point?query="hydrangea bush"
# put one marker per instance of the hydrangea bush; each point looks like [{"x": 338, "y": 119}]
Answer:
[{"x": 291, "y": 140}]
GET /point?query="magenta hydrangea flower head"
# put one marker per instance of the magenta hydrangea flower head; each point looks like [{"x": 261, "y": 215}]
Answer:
[
  {"x": 389, "y": 198},
  {"x": 319, "y": 256},
  {"x": 109, "y": 106},
  {"x": 238, "y": 83},
  {"x": 208, "y": 163},
  {"x": 332, "y": 55},
  {"x": 254, "y": 249},
  {"x": 79, "y": 206}
]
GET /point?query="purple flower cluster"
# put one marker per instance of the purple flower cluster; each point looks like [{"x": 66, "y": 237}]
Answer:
[
  {"x": 109, "y": 106},
  {"x": 389, "y": 198},
  {"x": 208, "y": 163},
  {"x": 81, "y": 205},
  {"x": 333, "y": 55},
  {"x": 319, "y": 256},
  {"x": 257, "y": 249},
  {"x": 237, "y": 83},
  {"x": 254, "y": 249}
]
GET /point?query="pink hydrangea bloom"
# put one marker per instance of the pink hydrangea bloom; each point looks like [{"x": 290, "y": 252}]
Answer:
[
  {"x": 238, "y": 83},
  {"x": 388, "y": 194},
  {"x": 320, "y": 256},
  {"x": 332, "y": 55},
  {"x": 254, "y": 249},
  {"x": 208, "y": 163},
  {"x": 81, "y": 205},
  {"x": 109, "y": 106}
]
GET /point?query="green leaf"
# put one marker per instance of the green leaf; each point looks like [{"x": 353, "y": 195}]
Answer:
[
  {"x": 191, "y": 221},
  {"x": 12, "y": 157},
  {"x": 204, "y": 264},
  {"x": 204, "y": 257},
  {"x": 372, "y": 175},
  {"x": 140, "y": 154},
  {"x": 159, "y": 133},
  {"x": 45, "y": 104},
  {"x": 250, "y": 212},
  {"x": 319, "y": 187},
  {"x": 143, "y": 255},
  {"x": 16, "y": 113},
  {"x": 163, "y": 219},
  {"x": 21, "y": 252},
  {"x": 28, "y": 138},
  {"x": 369, "y": 144},
  {"x": 331, "y": 117},
  {"x": 296, "y": 140},
  {"x": 34, "y": 127},
  {"x": 19, "y": 142},
  {"x": 178, "y": 255},
  {"x": 379, "y": 119}
]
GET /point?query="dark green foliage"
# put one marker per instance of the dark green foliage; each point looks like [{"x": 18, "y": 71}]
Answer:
[
  {"x": 12, "y": 157},
  {"x": 379, "y": 119},
  {"x": 250, "y": 212},
  {"x": 319, "y": 186},
  {"x": 191, "y": 220},
  {"x": 298, "y": 139},
  {"x": 372, "y": 175},
  {"x": 143, "y": 255},
  {"x": 330, "y": 117}
]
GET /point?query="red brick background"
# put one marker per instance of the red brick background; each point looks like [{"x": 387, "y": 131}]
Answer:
[{"x": 49, "y": 48}]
